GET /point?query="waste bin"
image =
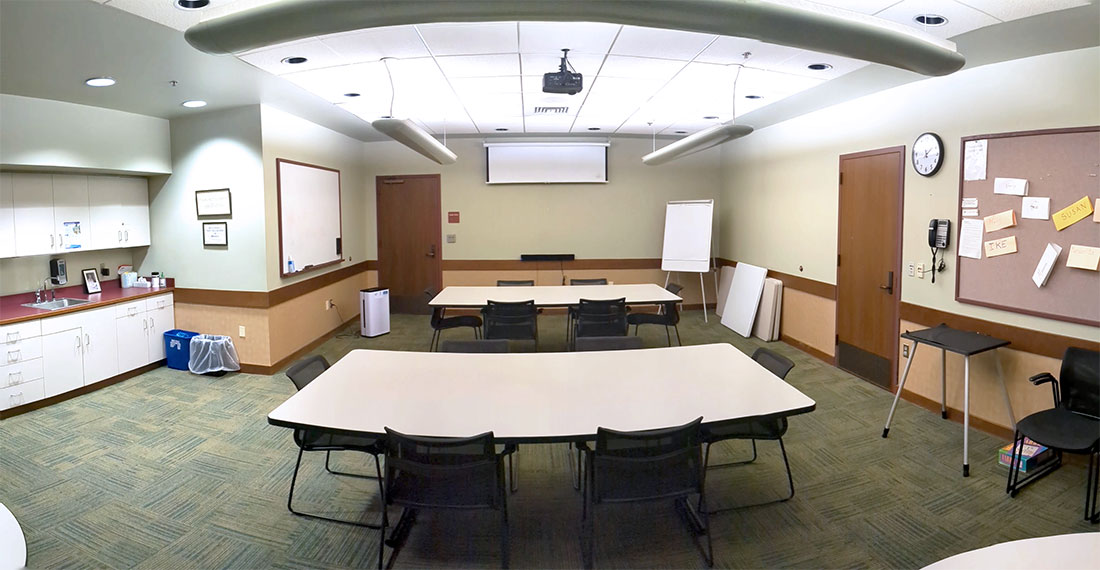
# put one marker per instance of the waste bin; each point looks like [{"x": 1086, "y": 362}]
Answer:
[
  {"x": 212, "y": 354},
  {"x": 374, "y": 311},
  {"x": 177, "y": 346}
]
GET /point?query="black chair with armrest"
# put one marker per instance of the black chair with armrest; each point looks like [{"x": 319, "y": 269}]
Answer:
[
  {"x": 442, "y": 473},
  {"x": 644, "y": 466},
  {"x": 1072, "y": 425},
  {"x": 511, "y": 320},
  {"x": 668, "y": 316},
  {"x": 301, "y": 373},
  {"x": 768, "y": 429},
  {"x": 600, "y": 318},
  {"x": 593, "y": 281}
]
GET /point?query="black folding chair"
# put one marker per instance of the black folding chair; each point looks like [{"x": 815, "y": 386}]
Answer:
[
  {"x": 592, "y": 343},
  {"x": 515, "y": 282},
  {"x": 511, "y": 320},
  {"x": 481, "y": 345},
  {"x": 668, "y": 316},
  {"x": 301, "y": 373},
  {"x": 441, "y": 323},
  {"x": 1072, "y": 425},
  {"x": 600, "y": 318}
]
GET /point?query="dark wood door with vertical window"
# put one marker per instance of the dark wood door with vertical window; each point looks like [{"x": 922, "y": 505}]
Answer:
[
  {"x": 409, "y": 245},
  {"x": 868, "y": 279}
]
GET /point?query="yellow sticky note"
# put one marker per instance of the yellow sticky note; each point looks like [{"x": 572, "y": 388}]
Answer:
[
  {"x": 1096, "y": 211},
  {"x": 1005, "y": 219},
  {"x": 1001, "y": 246},
  {"x": 1083, "y": 257},
  {"x": 1072, "y": 214}
]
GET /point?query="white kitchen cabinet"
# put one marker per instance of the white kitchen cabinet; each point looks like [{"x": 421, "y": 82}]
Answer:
[
  {"x": 20, "y": 394},
  {"x": 134, "y": 200},
  {"x": 71, "y": 222},
  {"x": 32, "y": 199},
  {"x": 7, "y": 217},
  {"x": 119, "y": 211},
  {"x": 133, "y": 346},
  {"x": 162, "y": 318},
  {"x": 140, "y": 327},
  {"x": 62, "y": 362}
]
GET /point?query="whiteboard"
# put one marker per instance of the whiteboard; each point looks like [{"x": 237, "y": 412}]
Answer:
[
  {"x": 687, "y": 236},
  {"x": 744, "y": 298},
  {"x": 546, "y": 163},
  {"x": 309, "y": 216}
]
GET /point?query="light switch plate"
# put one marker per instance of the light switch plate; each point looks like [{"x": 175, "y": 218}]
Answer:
[
  {"x": 451, "y": 238},
  {"x": 241, "y": 331},
  {"x": 920, "y": 271}
]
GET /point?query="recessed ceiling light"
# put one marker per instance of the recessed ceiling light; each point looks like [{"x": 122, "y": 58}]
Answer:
[
  {"x": 753, "y": 97},
  {"x": 351, "y": 94},
  {"x": 501, "y": 129},
  {"x": 194, "y": 104},
  {"x": 711, "y": 117},
  {"x": 593, "y": 128},
  {"x": 100, "y": 82},
  {"x": 819, "y": 66},
  {"x": 681, "y": 132},
  {"x": 294, "y": 60},
  {"x": 192, "y": 4},
  {"x": 930, "y": 20}
]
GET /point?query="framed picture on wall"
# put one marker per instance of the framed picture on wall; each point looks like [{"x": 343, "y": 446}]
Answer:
[
  {"x": 213, "y": 202},
  {"x": 91, "y": 281},
  {"x": 215, "y": 233}
]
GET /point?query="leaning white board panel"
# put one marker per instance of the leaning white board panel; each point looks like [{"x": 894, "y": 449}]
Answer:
[
  {"x": 744, "y": 298},
  {"x": 725, "y": 279},
  {"x": 768, "y": 315},
  {"x": 687, "y": 236}
]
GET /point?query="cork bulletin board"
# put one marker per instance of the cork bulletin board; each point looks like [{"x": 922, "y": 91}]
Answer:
[{"x": 1062, "y": 164}]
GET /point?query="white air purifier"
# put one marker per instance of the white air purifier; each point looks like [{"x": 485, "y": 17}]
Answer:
[{"x": 374, "y": 311}]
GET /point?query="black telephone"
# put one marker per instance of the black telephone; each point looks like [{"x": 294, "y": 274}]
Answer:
[{"x": 939, "y": 236}]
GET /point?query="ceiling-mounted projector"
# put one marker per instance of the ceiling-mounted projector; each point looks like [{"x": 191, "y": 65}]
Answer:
[{"x": 562, "y": 80}]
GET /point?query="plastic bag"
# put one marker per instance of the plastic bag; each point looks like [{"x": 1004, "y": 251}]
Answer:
[{"x": 213, "y": 353}]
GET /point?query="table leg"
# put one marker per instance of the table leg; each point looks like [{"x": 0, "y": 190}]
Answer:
[
  {"x": 966, "y": 416},
  {"x": 943, "y": 384},
  {"x": 703, "y": 290},
  {"x": 1004, "y": 389},
  {"x": 901, "y": 384}
]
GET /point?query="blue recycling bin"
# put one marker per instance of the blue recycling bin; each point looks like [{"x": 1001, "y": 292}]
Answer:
[{"x": 177, "y": 346}]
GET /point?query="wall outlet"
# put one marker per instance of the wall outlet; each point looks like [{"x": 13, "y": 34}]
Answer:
[
  {"x": 451, "y": 238},
  {"x": 905, "y": 351},
  {"x": 328, "y": 304},
  {"x": 920, "y": 271},
  {"x": 910, "y": 268},
  {"x": 240, "y": 331}
]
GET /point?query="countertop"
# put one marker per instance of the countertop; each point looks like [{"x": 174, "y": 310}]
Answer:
[{"x": 13, "y": 311}]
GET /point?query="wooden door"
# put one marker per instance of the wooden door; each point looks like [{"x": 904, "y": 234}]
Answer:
[
  {"x": 409, "y": 244},
  {"x": 869, "y": 264}
]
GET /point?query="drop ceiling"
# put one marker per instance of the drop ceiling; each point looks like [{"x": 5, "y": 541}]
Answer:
[{"x": 462, "y": 78}]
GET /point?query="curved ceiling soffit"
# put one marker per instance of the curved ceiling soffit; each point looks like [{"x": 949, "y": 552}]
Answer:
[{"x": 791, "y": 24}]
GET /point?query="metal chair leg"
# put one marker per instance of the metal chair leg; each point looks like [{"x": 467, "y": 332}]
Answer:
[
  {"x": 679, "y": 340},
  {"x": 294, "y": 480},
  {"x": 732, "y": 463},
  {"x": 343, "y": 473},
  {"x": 790, "y": 482},
  {"x": 668, "y": 336}
]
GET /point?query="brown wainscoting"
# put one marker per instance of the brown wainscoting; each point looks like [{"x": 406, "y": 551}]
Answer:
[
  {"x": 1035, "y": 342},
  {"x": 518, "y": 265},
  {"x": 266, "y": 299},
  {"x": 818, "y": 288},
  {"x": 281, "y": 364},
  {"x": 79, "y": 391},
  {"x": 808, "y": 349},
  {"x": 957, "y": 415}
]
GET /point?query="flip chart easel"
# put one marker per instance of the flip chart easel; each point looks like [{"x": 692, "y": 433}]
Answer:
[{"x": 687, "y": 243}]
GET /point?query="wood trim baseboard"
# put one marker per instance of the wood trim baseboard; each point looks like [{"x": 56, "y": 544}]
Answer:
[
  {"x": 818, "y": 288},
  {"x": 79, "y": 391},
  {"x": 519, "y": 265},
  {"x": 284, "y": 362},
  {"x": 818, "y": 354},
  {"x": 267, "y": 299},
  {"x": 1035, "y": 342},
  {"x": 957, "y": 415}
]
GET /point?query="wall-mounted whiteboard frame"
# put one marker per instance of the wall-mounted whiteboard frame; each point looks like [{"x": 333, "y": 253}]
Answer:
[
  {"x": 546, "y": 162},
  {"x": 309, "y": 216}
]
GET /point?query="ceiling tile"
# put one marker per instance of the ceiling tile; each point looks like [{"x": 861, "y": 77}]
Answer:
[
  {"x": 667, "y": 44},
  {"x": 537, "y": 64},
  {"x": 621, "y": 93},
  {"x": 270, "y": 59},
  {"x": 548, "y": 123},
  {"x": 499, "y": 104},
  {"x": 332, "y": 83},
  {"x": 727, "y": 50},
  {"x": 579, "y": 37},
  {"x": 471, "y": 38},
  {"x": 478, "y": 85},
  {"x": 489, "y": 124},
  {"x": 869, "y": 7},
  {"x": 401, "y": 42},
  {"x": 499, "y": 65},
  {"x": 799, "y": 65},
  {"x": 1015, "y": 9},
  {"x": 960, "y": 18},
  {"x": 640, "y": 67},
  {"x": 552, "y": 100},
  {"x": 440, "y": 127}
]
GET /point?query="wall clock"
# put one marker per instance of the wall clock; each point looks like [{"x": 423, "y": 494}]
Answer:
[{"x": 927, "y": 154}]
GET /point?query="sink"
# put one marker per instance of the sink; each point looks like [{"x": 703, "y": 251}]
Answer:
[{"x": 56, "y": 304}]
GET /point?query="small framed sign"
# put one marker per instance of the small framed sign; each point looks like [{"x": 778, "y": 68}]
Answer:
[
  {"x": 213, "y": 202},
  {"x": 215, "y": 233},
  {"x": 91, "y": 281}
]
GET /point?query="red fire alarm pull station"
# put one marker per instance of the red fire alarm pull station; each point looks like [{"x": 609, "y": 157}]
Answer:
[{"x": 452, "y": 217}]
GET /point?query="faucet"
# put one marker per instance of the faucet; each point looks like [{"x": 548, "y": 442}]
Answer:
[{"x": 48, "y": 286}]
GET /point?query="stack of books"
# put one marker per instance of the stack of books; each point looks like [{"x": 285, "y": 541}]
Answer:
[{"x": 1034, "y": 455}]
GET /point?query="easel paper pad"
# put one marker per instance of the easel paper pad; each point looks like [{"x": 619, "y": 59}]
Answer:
[
  {"x": 1083, "y": 257},
  {"x": 1003, "y": 246},
  {"x": 1035, "y": 208},
  {"x": 1073, "y": 213},
  {"x": 1046, "y": 264},
  {"x": 1005, "y": 219},
  {"x": 1011, "y": 186}
]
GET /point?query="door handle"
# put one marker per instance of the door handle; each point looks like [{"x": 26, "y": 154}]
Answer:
[
  {"x": 889, "y": 286},
  {"x": 431, "y": 250}
]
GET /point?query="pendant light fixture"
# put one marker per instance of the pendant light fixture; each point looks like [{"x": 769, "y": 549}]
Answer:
[{"x": 409, "y": 133}]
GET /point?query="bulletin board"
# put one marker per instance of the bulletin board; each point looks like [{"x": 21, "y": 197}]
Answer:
[
  {"x": 1062, "y": 164},
  {"x": 309, "y": 216}
]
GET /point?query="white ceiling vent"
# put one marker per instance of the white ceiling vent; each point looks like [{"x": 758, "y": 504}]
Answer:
[{"x": 551, "y": 110}]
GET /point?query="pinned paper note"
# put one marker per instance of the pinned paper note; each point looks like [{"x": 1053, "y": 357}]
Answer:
[
  {"x": 970, "y": 203},
  {"x": 974, "y": 155},
  {"x": 1011, "y": 186},
  {"x": 1003, "y": 246},
  {"x": 970, "y": 213},
  {"x": 1096, "y": 211},
  {"x": 1035, "y": 208},
  {"x": 1005, "y": 219},
  {"x": 1084, "y": 257},
  {"x": 970, "y": 239},
  {"x": 1073, "y": 213},
  {"x": 1046, "y": 264}
]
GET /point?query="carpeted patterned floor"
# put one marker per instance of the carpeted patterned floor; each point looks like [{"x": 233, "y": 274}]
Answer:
[{"x": 173, "y": 470}]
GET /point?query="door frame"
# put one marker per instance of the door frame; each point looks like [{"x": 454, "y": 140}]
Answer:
[
  {"x": 895, "y": 327},
  {"x": 379, "y": 181}
]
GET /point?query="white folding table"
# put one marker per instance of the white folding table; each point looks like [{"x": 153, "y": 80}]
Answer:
[{"x": 552, "y": 295}]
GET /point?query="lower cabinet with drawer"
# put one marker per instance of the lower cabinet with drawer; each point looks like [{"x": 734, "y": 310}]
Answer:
[{"x": 20, "y": 394}]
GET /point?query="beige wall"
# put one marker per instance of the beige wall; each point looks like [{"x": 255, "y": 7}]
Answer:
[
  {"x": 809, "y": 319},
  {"x": 789, "y": 170}
]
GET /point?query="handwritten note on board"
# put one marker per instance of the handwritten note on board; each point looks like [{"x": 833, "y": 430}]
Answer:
[
  {"x": 970, "y": 203},
  {"x": 1046, "y": 264},
  {"x": 1035, "y": 208},
  {"x": 974, "y": 160},
  {"x": 1003, "y": 246},
  {"x": 970, "y": 239},
  {"x": 1084, "y": 257},
  {"x": 1072, "y": 214},
  {"x": 1096, "y": 211},
  {"x": 1011, "y": 186},
  {"x": 1005, "y": 219}
]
